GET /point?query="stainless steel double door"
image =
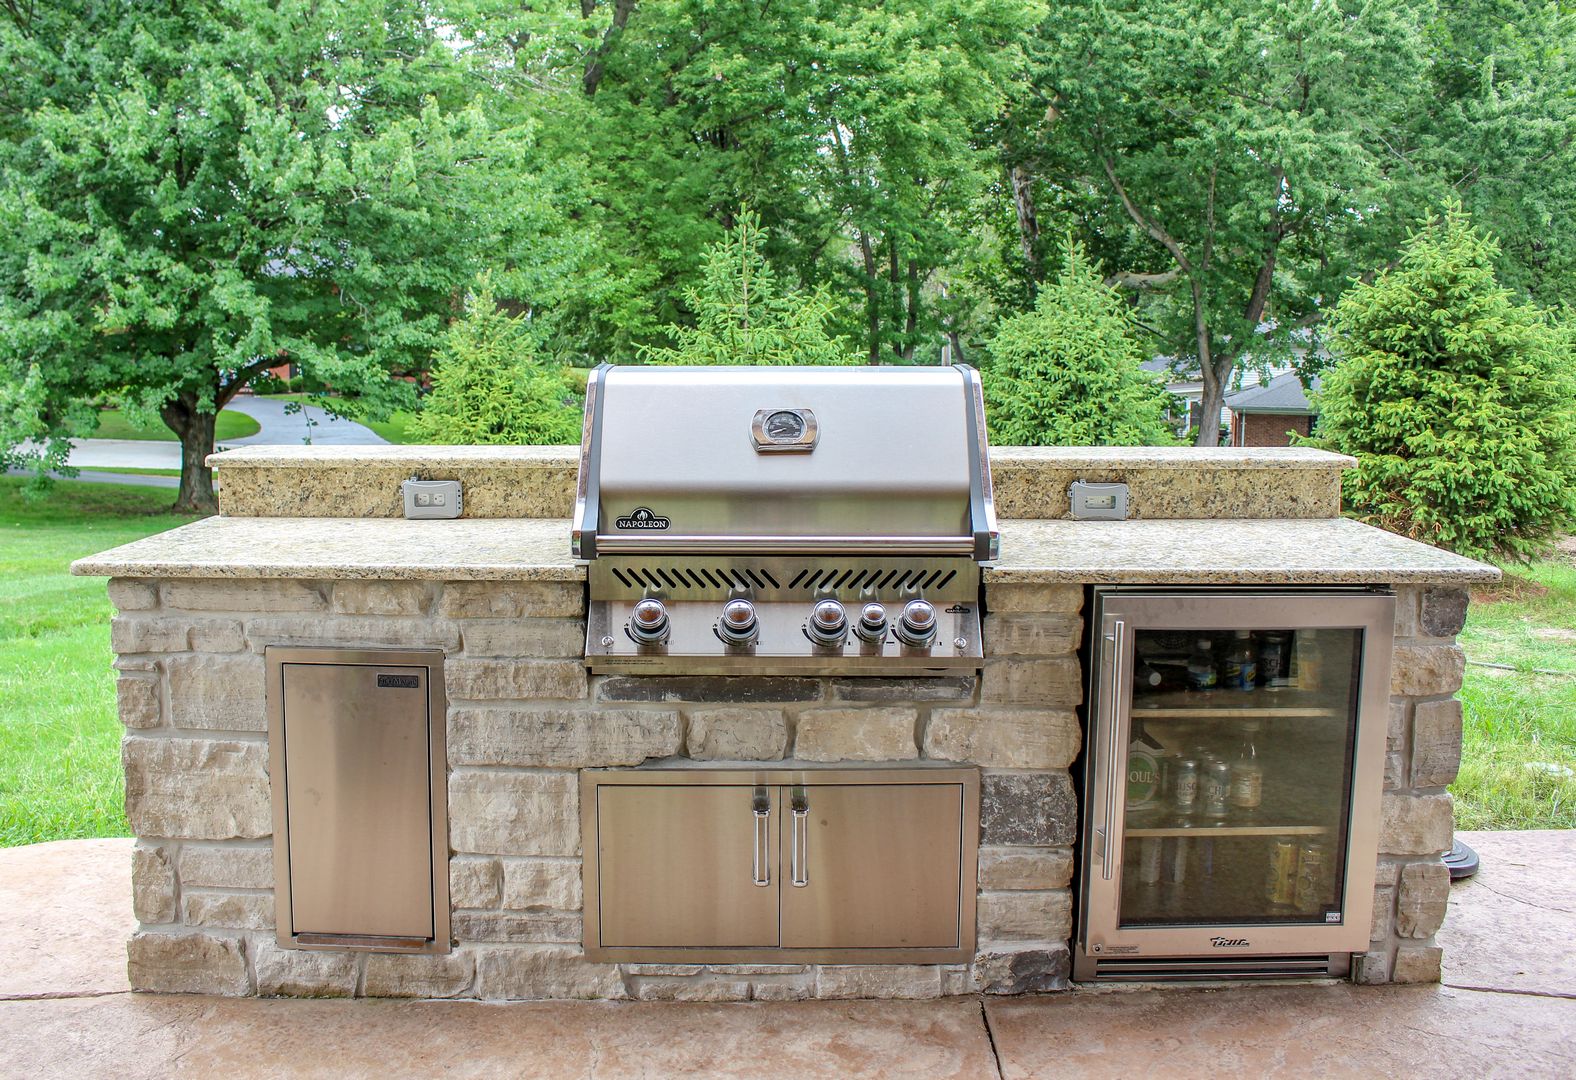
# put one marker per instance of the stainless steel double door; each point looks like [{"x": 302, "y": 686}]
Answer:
[
  {"x": 755, "y": 869},
  {"x": 1233, "y": 774}
]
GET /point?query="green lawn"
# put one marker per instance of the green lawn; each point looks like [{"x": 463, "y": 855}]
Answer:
[
  {"x": 113, "y": 424},
  {"x": 1518, "y": 767},
  {"x": 59, "y": 736}
]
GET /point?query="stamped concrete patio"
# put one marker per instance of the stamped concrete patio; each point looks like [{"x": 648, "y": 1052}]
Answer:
[{"x": 1507, "y": 1008}]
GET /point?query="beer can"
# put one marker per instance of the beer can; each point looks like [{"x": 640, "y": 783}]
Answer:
[
  {"x": 1149, "y": 860},
  {"x": 1309, "y": 893},
  {"x": 1184, "y": 786},
  {"x": 1217, "y": 789},
  {"x": 1281, "y": 884},
  {"x": 1174, "y": 864}
]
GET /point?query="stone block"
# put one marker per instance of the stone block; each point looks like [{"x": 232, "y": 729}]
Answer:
[
  {"x": 1372, "y": 968},
  {"x": 1415, "y": 824},
  {"x": 758, "y": 969},
  {"x": 216, "y": 635},
  {"x": 1032, "y": 634},
  {"x": 1033, "y": 682},
  {"x": 1383, "y": 921},
  {"x": 220, "y": 693},
  {"x": 1394, "y": 772},
  {"x": 231, "y": 910},
  {"x": 513, "y": 926},
  {"x": 1395, "y": 739},
  {"x": 663, "y": 969},
  {"x": 499, "y": 813},
  {"x": 137, "y": 700},
  {"x": 199, "y": 789},
  {"x": 1028, "y": 809},
  {"x": 1025, "y": 970},
  {"x": 544, "y": 638},
  {"x": 1444, "y": 611},
  {"x": 133, "y": 594},
  {"x": 514, "y": 680},
  {"x": 227, "y": 866},
  {"x": 880, "y": 734},
  {"x": 1416, "y": 964},
  {"x": 511, "y": 599},
  {"x": 737, "y": 735},
  {"x": 878, "y": 981},
  {"x": 381, "y": 597},
  {"x": 530, "y": 972},
  {"x": 147, "y": 634},
  {"x": 392, "y": 975},
  {"x": 1436, "y": 743},
  {"x": 665, "y": 988},
  {"x": 1422, "y": 898},
  {"x": 1005, "y": 738},
  {"x": 553, "y": 884},
  {"x": 1025, "y": 916},
  {"x": 1055, "y": 598},
  {"x": 1408, "y": 598},
  {"x": 956, "y": 979},
  {"x": 352, "y": 631},
  {"x": 152, "y": 883},
  {"x": 474, "y": 882},
  {"x": 1424, "y": 670},
  {"x": 561, "y": 738},
  {"x": 721, "y": 689},
  {"x": 302, "y": 972},
  {"x": 1025, "y": 867},
  {"x": 936, "y": 688},
  {"x": 191, "y": 963},
  {"x": 781, "y": 990},
  {"x": 229, "y": 594}
]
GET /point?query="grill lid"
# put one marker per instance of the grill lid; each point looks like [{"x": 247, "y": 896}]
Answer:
[{"x": 784, "y": 460}]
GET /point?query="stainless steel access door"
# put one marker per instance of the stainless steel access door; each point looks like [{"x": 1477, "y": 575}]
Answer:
[{"x": 357, "y": 764}]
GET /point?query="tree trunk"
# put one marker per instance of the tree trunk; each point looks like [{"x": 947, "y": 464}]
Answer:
[
  {"x": 1028, "y": 221},
  {"x": 1210, "y": 404},
  {"x": 195, "y": 430}
]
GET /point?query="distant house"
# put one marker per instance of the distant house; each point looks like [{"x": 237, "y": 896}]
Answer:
[{"x": 1269, "y": 414}]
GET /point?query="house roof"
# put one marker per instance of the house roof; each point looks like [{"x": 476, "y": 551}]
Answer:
[{"x": 1282, "y": 395}]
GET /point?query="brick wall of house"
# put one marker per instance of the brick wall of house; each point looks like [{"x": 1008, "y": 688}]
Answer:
[{"x": 1266, "y": 429}]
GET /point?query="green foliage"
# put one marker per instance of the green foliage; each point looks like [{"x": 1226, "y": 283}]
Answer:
[
  {"x": 488, "y": 387},
  {"x": 1458, "y": 402},
  {"x": 1068, "y": 373},
  {"x": 743, "y": 315}
]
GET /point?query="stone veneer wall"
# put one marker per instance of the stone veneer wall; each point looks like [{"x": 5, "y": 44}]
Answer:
[{"x": 523, "y": 717}]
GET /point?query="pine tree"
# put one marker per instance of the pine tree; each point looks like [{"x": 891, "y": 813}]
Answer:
[
  {"x": 1458, "y": 402},
  {"x": 744, "y": 316},
  {"x": 489, "y": 388},
  {"x": 1069, "y": 372}
]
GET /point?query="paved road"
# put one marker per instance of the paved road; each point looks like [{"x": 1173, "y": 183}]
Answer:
[
  {"x": 308, "y": 425},
  {"x": 94, "y": 476}
]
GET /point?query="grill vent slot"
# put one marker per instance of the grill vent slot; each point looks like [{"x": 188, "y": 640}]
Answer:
[
  {"x": 1145, "y": 969},
  {"x": 841, "y": 579}
]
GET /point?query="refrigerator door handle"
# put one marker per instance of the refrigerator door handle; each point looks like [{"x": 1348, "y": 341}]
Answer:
[{"x": 1111, "y": 710}]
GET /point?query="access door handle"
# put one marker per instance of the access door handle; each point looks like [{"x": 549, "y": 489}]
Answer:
[
  {"x": 799, "y": 840},
  {"x": 760, "y": 858},
  {"x": 1112, "y": 710}
]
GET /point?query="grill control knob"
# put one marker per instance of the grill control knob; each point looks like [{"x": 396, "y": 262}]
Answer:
[
  {"x": 648, "y": 623},
  {"x": 917, "y": 625},
  {"x": 828, "y": 623},
  {"x": 738, "y": 625},
  {"x": 872, "y": 623}
]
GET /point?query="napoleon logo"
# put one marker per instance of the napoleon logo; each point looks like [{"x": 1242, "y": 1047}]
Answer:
[
  {"x": 957, "y": 609},
  {"x": 642, "y": 518},
  {"x": 1229, "y": 942},
  {"x": 399, "y": 682}
]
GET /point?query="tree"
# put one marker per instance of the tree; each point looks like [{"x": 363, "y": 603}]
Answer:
[
  {"x": 1240, "y": 152},
  {"x": 191, "y": 193},
  {"x": 743, "y": 316},
  {"x": 488, "y": 387},
  {"x": 1068, "y": 373},
  {"x": 1458, "y": 402}
]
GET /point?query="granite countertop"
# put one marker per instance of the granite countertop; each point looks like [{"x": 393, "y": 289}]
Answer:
[{"x": 1301, "y": 551}]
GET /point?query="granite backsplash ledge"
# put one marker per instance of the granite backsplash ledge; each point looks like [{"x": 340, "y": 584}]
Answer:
[{"x": 539, "y": 481}]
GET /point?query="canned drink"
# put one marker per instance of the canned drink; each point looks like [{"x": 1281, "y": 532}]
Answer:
[
  {"x": 1281, "y": 884},
  {"x": 1217, "y": 789},
  {"x": 1175, "y": 861},
  {"x": 1149, "y": 860},
  {"x": 1309, "y": 894},
  {"x": 1184, "y": 786}
]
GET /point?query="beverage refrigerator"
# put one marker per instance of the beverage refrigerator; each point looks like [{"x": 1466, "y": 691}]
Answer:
[{"x": 1232, "y": 781}]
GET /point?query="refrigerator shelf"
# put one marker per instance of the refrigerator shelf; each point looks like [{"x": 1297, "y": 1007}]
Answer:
[{"x": 1211, "y": 831}]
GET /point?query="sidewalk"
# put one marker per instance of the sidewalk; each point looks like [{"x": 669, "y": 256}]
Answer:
[{"x": 1508, "y": 1008}]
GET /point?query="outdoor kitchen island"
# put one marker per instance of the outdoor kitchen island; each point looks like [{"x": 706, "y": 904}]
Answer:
[{"x": 310, "y": 552}]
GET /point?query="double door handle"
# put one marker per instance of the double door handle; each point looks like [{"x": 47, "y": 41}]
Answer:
[
  {"x": 760, "y": 860},
  {"x": 798, "y": 842}
]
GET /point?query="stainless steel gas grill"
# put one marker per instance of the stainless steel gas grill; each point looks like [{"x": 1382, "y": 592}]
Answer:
[{"x": 784, "y": 520}]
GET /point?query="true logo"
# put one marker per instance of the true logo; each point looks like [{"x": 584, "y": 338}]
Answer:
[
  {"x": 1229, "y": 942},
  {"x": 642, "y": 518}
]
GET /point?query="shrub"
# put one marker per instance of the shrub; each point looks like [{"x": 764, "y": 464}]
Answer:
[
  {"x": 743, "y": 316},
  {"x": 1458, "y": 402},
  {"x": 489, "y": 388},
  {"x": 1069, "y": 372}
]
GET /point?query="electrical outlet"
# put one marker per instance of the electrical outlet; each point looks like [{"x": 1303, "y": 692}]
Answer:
[
  {"x": 432, "y": 498},
  {"x": 1098, "y": 502}
]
